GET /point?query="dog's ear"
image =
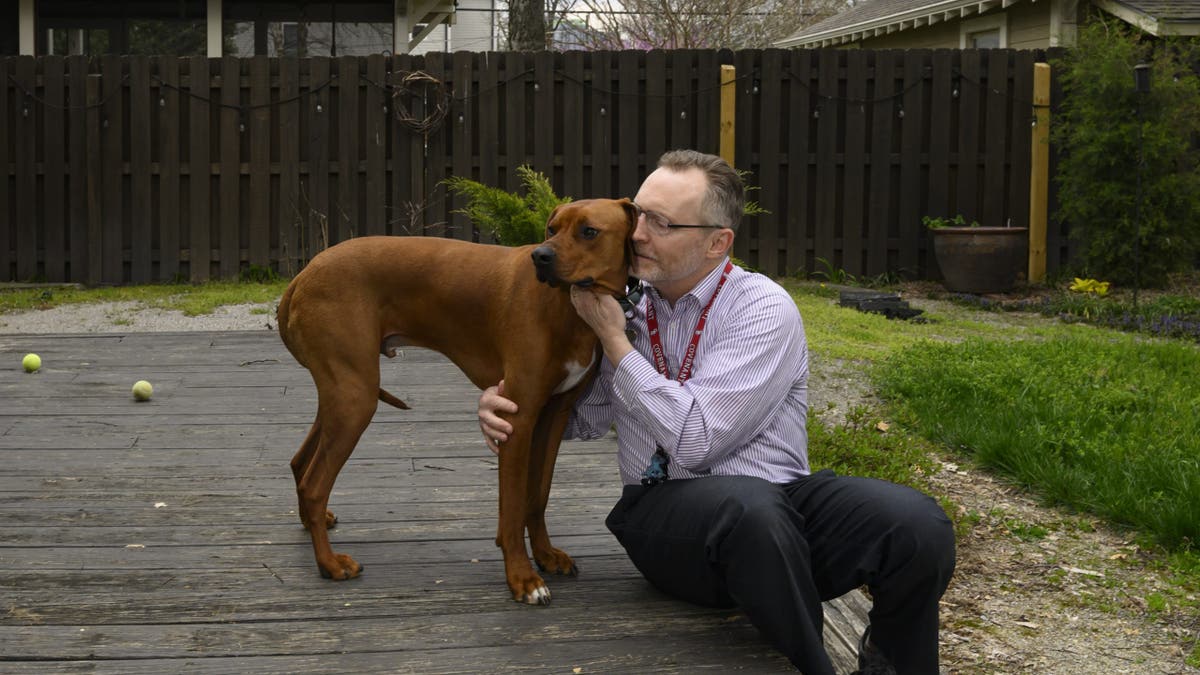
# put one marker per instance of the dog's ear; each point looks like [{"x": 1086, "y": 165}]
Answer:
[
  {"x": 631, "y": 216},
  {"x": 553, "y": 215}
]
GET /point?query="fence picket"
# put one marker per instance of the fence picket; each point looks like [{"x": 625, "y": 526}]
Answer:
[
  {"x": 170, "y": 222},
  {"x": 54, "y": 163},
  {"x": 141, "y": 266},
  {"x": 25, "y": 146},
  {"x": 258, "y": 132},
  {"x": 199, "y": 183},
  {"x": 7, "y": 223}
]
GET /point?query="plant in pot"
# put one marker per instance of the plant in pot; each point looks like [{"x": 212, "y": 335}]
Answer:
[{"x": 978, "y": 259}]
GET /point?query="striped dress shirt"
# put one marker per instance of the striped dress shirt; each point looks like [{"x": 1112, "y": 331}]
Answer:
[{"x": 743, "y": 410}]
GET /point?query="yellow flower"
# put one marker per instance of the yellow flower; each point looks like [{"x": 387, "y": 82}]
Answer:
[{"x": 1099, "y": 288}]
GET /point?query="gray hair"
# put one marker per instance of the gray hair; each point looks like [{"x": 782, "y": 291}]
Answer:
[{"x": 725, "y": 200}]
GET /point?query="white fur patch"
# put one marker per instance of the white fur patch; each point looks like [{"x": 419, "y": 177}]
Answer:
[{"x": 575, "y": 374}]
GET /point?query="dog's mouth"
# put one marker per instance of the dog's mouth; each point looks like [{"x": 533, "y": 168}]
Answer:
[{"x": 550, "y": 278}]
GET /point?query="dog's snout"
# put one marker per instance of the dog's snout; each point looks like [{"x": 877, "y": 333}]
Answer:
[{"x": 543, "y": 256}]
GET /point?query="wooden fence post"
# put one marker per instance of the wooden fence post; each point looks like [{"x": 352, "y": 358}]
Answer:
[
  {"x": 728, "y": 100},
  {"x": 1039, "y": 173}
]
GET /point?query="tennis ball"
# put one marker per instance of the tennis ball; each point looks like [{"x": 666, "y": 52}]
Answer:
[
  {"x": 142, "y": 390},
  {"x": 32, "y": 363}
]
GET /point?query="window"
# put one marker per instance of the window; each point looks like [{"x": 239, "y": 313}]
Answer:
[
  {"x": 985, "y": 32},
  {"x": 984, "y": 39},
  {"x": 73, "y": 41}
]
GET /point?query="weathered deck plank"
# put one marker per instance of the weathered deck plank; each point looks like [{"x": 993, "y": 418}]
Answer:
[{"x": 150, "y": 537}]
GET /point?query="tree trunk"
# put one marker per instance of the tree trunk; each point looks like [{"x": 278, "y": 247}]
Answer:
[{"x": 526, "y": 25}]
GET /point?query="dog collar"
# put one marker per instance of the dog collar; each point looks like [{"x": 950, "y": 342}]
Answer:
[{"x": 628, "y": 303}]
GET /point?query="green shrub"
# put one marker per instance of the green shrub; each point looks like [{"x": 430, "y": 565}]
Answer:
[
  {"x": 1098, "y": 130},
  {"x": 512, "y": 219}
]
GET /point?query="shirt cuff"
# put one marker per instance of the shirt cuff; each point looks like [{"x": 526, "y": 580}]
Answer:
[{"x": 633, "y": 374}]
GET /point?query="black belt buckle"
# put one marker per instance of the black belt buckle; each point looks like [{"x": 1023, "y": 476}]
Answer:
[{"x": 657, "y": 471}]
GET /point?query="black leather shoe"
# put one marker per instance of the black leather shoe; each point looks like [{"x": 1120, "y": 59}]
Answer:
[{"x": 870, "y": 660}]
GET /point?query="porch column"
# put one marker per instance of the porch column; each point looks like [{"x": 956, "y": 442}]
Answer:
[
  {"x": 25, "y": 27},
  {"x": 214, "y": 29}
]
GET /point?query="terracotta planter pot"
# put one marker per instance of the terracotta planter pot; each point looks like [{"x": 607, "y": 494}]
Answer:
[{"x": 981, "y": 259}]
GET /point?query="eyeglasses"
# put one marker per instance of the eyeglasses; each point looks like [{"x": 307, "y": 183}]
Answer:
[{"x": 660, "y": 225}]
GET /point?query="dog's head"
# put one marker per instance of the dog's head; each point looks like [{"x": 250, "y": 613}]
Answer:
[{"x": 588, "y": 243}]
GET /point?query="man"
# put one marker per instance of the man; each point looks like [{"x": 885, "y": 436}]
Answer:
[{"x": 707, "y": 386}]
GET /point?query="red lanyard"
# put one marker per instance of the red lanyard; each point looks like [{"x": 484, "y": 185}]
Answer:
[{"x": 660, "y": 360}]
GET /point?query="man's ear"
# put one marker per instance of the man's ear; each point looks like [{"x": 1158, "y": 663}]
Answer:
[{"x": 721, "y": 243}]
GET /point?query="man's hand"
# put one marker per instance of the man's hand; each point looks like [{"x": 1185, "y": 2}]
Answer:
[
  {"x": 495, "y": 429},
  {"x": 604, "y": 315}
]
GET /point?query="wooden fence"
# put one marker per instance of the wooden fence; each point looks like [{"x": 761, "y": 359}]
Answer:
[{"x": 133, "y": 169}]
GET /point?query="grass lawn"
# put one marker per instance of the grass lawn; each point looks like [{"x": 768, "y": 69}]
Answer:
[{"x": 191, "y": 299}]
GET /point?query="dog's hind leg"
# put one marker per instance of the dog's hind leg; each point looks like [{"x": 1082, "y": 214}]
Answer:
[
  {"x": 344, "y": 410},
  {"x": 300, "y": 462}
]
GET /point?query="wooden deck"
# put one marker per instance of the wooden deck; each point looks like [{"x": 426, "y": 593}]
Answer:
[{"x": 162, "y": 536}]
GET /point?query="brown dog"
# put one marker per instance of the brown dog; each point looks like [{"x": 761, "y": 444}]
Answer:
[{"x": 484, "y": 308}]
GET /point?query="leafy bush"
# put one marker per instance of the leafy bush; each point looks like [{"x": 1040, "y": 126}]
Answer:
[
  {"x": 1098, "y": 128},
  {"x": 512, "y": 219}
]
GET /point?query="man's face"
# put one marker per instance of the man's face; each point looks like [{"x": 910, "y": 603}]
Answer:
[{"x": 678, "y": 254}]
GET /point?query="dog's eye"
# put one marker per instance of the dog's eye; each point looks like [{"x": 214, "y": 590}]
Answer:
[
  {"x": 590, "y": 233},
  {"x": 549, "y": 231}
]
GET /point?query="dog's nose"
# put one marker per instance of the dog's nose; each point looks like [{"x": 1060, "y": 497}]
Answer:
[{"x": 543, "y": 256}]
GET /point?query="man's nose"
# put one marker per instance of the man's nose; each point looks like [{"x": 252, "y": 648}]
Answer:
[{"x": 641, "y": 232}]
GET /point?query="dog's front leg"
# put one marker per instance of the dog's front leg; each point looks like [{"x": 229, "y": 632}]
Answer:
[
  {"x": 543, "y": 452},
  {"x": 523, "y": 581}
]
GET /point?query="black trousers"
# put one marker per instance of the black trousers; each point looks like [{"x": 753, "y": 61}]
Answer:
[{"x": 778, "y": 551}]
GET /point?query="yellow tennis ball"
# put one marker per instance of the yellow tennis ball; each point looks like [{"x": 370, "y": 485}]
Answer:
[
  {"x": 32, "y": 363},
  {"x": 142, "y": 390}
]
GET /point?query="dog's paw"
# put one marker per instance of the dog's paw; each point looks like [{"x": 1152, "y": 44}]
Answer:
[
  {"x": 556, "y": 562},
  {"x": 343, "y": 567},
  {"x": 539, "y": 595}
]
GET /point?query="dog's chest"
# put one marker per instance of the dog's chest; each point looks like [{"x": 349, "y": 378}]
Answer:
[{"x": 576, "y": 371}]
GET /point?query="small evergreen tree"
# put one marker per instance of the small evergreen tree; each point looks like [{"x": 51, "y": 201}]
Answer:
[
  {"x": 1098, "y": 129},
  {"x": 512, "y": 219}
]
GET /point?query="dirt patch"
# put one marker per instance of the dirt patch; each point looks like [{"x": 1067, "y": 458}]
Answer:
[{"x": 1037, "y": 589}]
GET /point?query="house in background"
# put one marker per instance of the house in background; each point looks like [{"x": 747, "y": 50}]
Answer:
[
  {"x": 985, "y": 24},
  {"x": 246, "y": 27}
]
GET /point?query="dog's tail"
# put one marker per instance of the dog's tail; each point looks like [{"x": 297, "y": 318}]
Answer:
[{"x": 391, "y": 400}]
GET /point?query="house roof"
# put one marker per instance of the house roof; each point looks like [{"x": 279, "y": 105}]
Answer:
[
  {"x": 879, "y": 17},
  {"x": 1157, "y": 17}
]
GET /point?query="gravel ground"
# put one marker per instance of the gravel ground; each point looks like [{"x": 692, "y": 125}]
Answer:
[{"x": 126, "y": 317}]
